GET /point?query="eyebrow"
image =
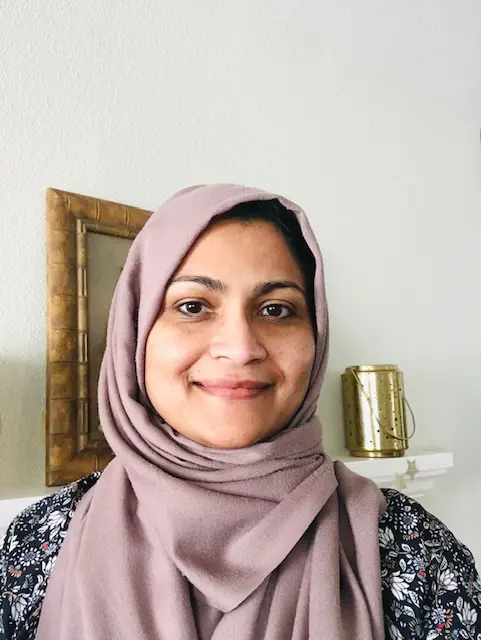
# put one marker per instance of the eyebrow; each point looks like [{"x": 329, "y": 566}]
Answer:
[{"x": 261, "y": 289}]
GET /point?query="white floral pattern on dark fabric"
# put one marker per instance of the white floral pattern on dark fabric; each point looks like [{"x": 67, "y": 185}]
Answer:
[
  {"x": 430, "y": 585},
  {"x": 27, "y": 556}
]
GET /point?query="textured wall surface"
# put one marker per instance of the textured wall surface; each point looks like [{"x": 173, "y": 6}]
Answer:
[{"x": 368, "y": 114}]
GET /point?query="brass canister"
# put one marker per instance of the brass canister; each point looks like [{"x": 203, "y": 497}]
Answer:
[{"x": 375, "y": 417}]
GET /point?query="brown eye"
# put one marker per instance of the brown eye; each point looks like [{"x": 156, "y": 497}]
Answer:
[
  {"x": 277, "y": 311},
  {"x": 191, "y": 308}
]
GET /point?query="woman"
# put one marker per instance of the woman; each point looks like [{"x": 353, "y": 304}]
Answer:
[{"x": 221, "y": 517}]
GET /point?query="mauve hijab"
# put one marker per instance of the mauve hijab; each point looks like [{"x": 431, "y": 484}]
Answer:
[{"x": 178, "y": 541}]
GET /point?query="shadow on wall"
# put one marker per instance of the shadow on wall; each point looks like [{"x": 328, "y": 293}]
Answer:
[
  {"x": 22, "y": 399},
  {"x": 329, "y": 410}
]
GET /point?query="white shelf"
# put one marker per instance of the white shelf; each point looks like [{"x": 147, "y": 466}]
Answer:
[{"x": 414, "y": 474}]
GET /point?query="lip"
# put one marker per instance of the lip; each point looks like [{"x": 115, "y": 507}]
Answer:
[{"x": 234, "y": 389}]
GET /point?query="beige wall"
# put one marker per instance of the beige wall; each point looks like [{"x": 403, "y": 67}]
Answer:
[{"x": 367, "y": 113}]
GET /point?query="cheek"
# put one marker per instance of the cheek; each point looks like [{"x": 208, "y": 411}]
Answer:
[
  {"x": 170, "y": 353},
  {"x": 297, "y": 360},
  {"x": 306, "y": 360}
]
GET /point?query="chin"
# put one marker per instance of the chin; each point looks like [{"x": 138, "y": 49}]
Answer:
[
  {"x": 225, "y": 441},
  {"x": 240, "y": 441},
  {"x": 237, "y": 443}
]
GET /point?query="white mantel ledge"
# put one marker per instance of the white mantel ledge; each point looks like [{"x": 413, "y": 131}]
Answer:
[{"x": 414, "y": 474}]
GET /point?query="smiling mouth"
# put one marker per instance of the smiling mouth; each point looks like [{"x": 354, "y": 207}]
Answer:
[{"x": 242, "y": 392}]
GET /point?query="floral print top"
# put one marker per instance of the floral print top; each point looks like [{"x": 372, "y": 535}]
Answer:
[{"x": 430, "y": 585}]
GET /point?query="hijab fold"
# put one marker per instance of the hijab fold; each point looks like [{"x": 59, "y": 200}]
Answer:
[{"x": 181, "y": 541}]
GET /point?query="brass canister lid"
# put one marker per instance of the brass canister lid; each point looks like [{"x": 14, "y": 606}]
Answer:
[{"x": 360, "y": 368}]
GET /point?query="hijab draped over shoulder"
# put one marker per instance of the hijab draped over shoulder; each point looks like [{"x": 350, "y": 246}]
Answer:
[{"x": 179, "y": 541}]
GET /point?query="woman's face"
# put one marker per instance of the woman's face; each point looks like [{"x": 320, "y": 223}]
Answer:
[{"x": 229, "y": 358}]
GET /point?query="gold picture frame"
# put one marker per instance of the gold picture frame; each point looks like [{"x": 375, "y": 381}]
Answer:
[{"x": 75, "y": 445}]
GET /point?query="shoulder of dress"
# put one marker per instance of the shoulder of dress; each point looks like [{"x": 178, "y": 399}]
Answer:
[
  {"x": 28, "y": 553},
  {"x": 429, "y": 577},
  {"x": 408, "y": 527},
  {"x": 401, "y": 507},
  {"x": 45, "y": 520}
]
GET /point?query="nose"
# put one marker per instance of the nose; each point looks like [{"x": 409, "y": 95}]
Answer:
[{"x": 235, "y": 339}]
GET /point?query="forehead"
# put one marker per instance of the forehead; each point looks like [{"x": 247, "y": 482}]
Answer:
[{"x": 239, "y": 248}]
